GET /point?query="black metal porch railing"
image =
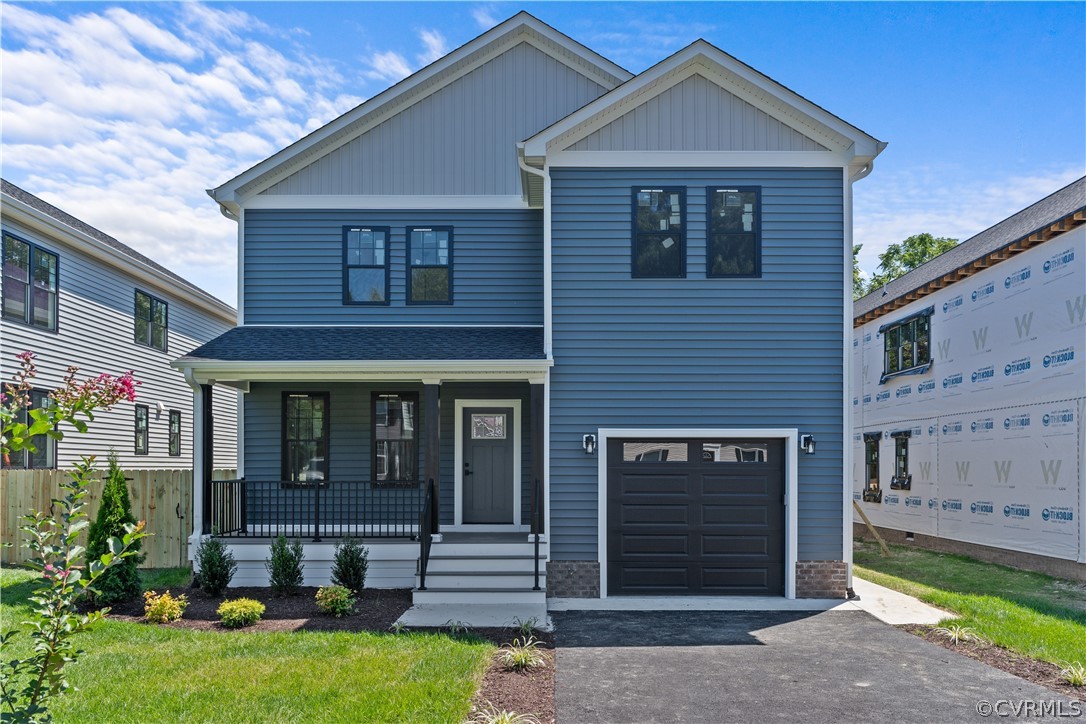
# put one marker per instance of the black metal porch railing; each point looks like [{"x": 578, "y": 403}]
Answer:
[
  {"x": 427, "y": 522},
  {"x": 537, "y": 524},
  {"x": 332, "y": 508}
]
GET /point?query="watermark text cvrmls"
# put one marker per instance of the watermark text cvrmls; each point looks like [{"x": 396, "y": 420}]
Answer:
[{"x": 1030, "y": 708}]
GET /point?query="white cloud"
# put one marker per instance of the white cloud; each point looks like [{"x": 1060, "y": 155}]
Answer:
[
  {"x": 484, "y": 16},
  {"x": 388, "y": 66},
  {"x": 435, "y": 46}
]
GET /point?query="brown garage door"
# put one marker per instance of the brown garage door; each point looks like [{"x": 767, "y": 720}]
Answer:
[{"x": 695, "y": 517}]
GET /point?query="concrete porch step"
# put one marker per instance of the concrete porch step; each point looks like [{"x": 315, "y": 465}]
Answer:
[
  {"x": 442, "y": 563},
  {"x": 503, "y": 615},
  {"x": 448, "y": 549},
  {"x": 482, "y": 579},
  {"x": 489, "y": 596}
]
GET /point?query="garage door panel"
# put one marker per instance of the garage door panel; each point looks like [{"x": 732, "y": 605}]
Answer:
[
  {"x": 734, "y": 581},
  {"x": 733, "y": 515},
  {"x": 654, "y": 515},
  {"x": 655, "y": 579},
  {"x": 631, "y": 546},
  {"x": 747, "y": 484},
  {"x": 735, "y": 545},
  {"x": 654, "y": 486}
]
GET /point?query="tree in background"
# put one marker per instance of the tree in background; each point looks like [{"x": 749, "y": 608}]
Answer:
[
  {"x": 859, "y": 286},
  {"x": 122, "y": 581},
  {"x": 899, "y": 259}
]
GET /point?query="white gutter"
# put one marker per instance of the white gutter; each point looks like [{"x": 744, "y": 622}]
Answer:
[{"x": 548, "y": 291}]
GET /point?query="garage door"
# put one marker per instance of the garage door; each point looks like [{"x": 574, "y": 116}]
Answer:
[{"x": 697, "y": 516}]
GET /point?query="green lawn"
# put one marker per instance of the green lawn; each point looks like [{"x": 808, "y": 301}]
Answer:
[
  {"x": 143, "y": 673},
  {"x": 1029, "y": 613}
]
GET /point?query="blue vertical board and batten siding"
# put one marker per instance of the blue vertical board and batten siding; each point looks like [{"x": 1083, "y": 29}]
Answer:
[
  {"x": 293, "y": 264},
  {"x": 697, "y": 352}
]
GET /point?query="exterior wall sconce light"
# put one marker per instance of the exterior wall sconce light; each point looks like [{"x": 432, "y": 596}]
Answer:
[
  {"x": 588, "y": 442},
  {"x": 807, "y": 442}
]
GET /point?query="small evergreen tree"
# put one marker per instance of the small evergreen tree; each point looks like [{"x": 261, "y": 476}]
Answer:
[
  {"x": 120, "y": 582},
  {"x": 215, "y": 566},
  {"x": 349, "y": 565},
  {"x": 285, "y": 566}
]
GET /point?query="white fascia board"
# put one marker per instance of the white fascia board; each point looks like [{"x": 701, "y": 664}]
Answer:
[
  {"x": 344, "y": 370},
  {"x": 385, "y": 202},
  {"x": 698, "y": 159},
  {"x": 43, "y": 223},
  {"x": 512, "y": 31}
]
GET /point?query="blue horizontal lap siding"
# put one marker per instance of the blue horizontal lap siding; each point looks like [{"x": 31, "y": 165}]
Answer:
[
  {"x": 697, "y": 352},
  {"x": 294, "y": 267}
]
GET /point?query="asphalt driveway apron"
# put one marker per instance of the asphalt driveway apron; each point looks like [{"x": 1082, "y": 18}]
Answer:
[{"x": 728, "y": 666}]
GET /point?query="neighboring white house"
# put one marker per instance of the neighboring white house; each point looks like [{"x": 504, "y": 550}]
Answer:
[
  {"x": 76, "y": 296},
  {"x": 968, "y": 394}
]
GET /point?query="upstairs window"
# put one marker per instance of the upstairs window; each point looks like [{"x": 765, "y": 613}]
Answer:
[
  {"x": 733, "y": 232},
  {"x": 429, "y": 265},
  {"x": 45, "y": 447},
  {"x": 395, "y": 442},
  {"x": 151, "y": 321},
  {"x": 142, "y": 420},
  {"x": 907, "y": 345},
  {"x": 365, "y": 265},
  {"x": 872, "y": 491},
  {"x": 902, "y": 480},
  {"x": 659, "y": 233},
  {"x": 30, "y": 284},
  {"x": 175, "y": 433},
  {"x": 305, "y": 438}
]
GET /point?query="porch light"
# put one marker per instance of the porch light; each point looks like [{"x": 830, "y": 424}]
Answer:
[
  {"x": 588, "y": 442},
  {"x": 807, "y": 442}
]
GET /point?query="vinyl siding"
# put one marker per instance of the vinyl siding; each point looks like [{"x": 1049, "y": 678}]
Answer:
[
  {"x": 294, "y": 267},
  {"x": 350, "y": 447},
  {"x": 460, "y": 140},
  {"x": 96, "y": 333},
  {"x": 696, "y": 115},
  {"x": 697, "y": 352}
]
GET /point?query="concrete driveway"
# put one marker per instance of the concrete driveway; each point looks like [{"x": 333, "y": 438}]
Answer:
[{"x": 743, "y": 666}]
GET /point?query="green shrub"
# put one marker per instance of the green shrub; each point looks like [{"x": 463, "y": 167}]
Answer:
[
  {"x": 522, "y": 654},
  {"x": 240, "y": 612},
  {"x": 1074, "y": 674},
  {"x": 349, "y": 565},
  {"x": 215, "y": 566},
  {"x": 335, "y": 600},
  {"x": 285, "y": 566},
  {"x": 163, "y": 608},
  {"x": 122, "y": 581}
]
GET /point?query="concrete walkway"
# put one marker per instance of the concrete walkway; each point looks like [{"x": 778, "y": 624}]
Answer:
[{"x": 892, "y": 607}]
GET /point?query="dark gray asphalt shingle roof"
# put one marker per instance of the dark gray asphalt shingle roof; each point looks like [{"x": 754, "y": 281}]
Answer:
[
  {"x": 67, "y": 219},
  {"x": 1069, "y": 199},
  {"x": 311, "y": 344}
]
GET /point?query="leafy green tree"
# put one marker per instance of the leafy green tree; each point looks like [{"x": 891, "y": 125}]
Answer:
[
  {"x": 122, "y": 581},
  {"x": 903, "y": 257},
  {"x": 859, "y": 287}
]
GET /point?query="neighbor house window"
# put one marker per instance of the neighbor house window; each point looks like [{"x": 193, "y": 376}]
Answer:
[
  {"x": 175, "y": 432},
  {"x": 733, "y": 232},
  {"x": 429, "y": 265},
  {"x": 142, "y": 419},
  {"x": 151, "y": 321},
  {"x": 365, "y": 265},
  {"x": 907, "y": 345},
  {"x": 305, "y": 437},
  {"x": 654, "y": 451},
  {"x": 30, "y": 284},
  {"x": 902, "y": 480},
  {"x": 395, "y": 439},
  {"x": 45, "y": 447},
  {"x": 659, "y": 233},
  {"x": 872, "y": 492}
]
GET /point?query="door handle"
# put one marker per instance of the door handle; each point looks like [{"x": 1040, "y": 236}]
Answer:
[{"x": 467, "y": 469}]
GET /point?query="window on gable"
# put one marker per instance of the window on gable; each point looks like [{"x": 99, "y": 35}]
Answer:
[
  {"x": 659, "y": 233},
  {"x": 429, "y": 265},
  {"x": 151, "y": 321},
  {"x": 45, "y": 447},
  {"x": 142, "y": 420},
  {"x": 902, "y": 480},
  {"x": 365, "y": 265},
  {"x": 395, "y": 439},
  {"x": 872, "y": 491},
  {"x": 30, "y": 284},
  {"x": 733, "y": 232},
  {"x": 305, "y": 438},
  {"x": 175, "y": 432},
  {"x": 907, "y": 345}
]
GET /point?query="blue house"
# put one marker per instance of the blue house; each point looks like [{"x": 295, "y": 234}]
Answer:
[{"x": 534, "y": 326}]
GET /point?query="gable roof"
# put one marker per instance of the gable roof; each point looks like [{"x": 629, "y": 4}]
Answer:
[
  {"x": 1037, "y": 223},
  {"x": 703, "y": 58},
  {"x": 85, "y": 235},
  {"x": 423, "y": 83}
]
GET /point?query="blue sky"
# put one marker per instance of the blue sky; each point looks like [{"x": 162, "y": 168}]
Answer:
[{"x": 122, "y": 114}]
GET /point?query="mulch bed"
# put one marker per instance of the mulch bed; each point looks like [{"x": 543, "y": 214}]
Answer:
[
  {"x": 529, "y": 692},
  {"x": 1039, "y": 672}
]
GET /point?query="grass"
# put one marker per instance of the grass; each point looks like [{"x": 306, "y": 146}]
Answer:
[
  {"x": 1028, "y": 613},
  {"x": 142, "y": 673}
]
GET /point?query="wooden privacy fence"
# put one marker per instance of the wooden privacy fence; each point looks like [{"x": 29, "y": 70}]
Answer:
[{"x": 162, "y": 498}]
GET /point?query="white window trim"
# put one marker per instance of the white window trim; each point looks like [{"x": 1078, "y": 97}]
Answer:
[
  {"x": 790, "y": 436},
  {"x": 458, "y": 467}
]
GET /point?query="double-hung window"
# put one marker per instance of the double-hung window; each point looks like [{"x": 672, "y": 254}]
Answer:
[
  {"x": 733, "y": 232},
  {"x": 175, "y": 433},
  {"x": 30, "y": 284},
  {"x": 872, "y": 490},
  {"x": 902, "y": 480},
  {"x": 365, "y": 265},
  {"x": 395, "y": 439},
  {"x": 429, "y": 264},
  {"x": 142, "y": 422},
  {"x": 907, "y": 345},
  {"x": 305, "y": 438},
  {"x": 44, "y": 454},
  {"x": 659, "y": 233},
  {"x": 152, "y": 317}
]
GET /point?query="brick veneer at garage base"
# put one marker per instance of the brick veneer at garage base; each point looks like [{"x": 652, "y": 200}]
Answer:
[{"x": 581, "y": 579}]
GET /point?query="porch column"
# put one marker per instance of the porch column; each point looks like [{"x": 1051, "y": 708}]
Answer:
[
  {"x": 537, "y": 446},
  {"x": 206, "y": 442},
  {"x": 432, "y": 400}
]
